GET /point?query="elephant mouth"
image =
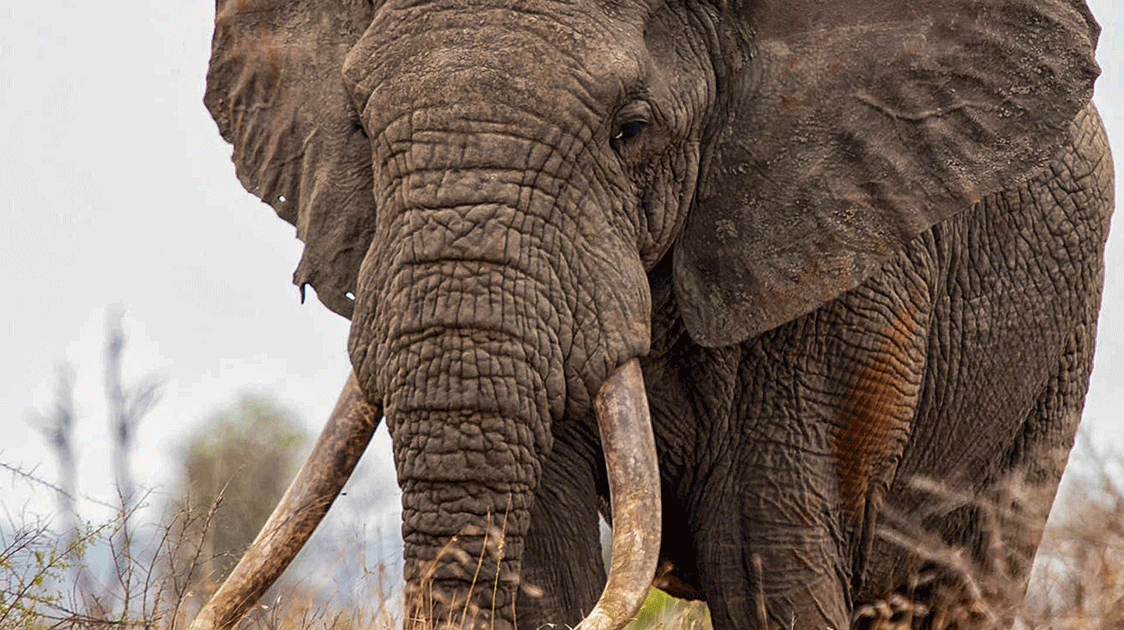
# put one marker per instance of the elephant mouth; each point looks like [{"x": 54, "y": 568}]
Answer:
[{"x": 629, "y": 447}]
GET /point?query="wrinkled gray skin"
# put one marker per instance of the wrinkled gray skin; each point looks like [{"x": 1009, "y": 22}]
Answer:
[{"x": 853, "y": 243}]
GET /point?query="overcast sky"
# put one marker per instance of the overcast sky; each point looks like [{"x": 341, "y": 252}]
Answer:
[{"x": 116, "y": 189}]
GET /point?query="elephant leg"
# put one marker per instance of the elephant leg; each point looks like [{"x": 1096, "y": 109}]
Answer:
[
  {"x": 1038, "y": 457},
  {"x": 563, "y": 572},
  {"x": 790, "y": 580},
  {"x": 1002, "y": 525},
  {"x": 825, "y": 409}
]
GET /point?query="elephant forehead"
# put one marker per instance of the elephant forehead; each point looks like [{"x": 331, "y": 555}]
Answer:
[{"x": 546, "y": 64}]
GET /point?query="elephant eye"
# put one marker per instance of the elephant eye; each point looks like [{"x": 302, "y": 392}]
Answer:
[
  {"x": 629, "y": 130},
  {"x": 631, "y": 121}
]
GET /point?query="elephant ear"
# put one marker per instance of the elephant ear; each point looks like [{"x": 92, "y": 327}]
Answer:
[
  {"x": 853, "y": 127},
  {"x": 275, "y": 87}
]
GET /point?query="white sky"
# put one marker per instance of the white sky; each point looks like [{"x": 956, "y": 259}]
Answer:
[{"x": 115, "y": 188}]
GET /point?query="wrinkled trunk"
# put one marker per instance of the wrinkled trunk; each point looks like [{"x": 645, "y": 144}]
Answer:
[
  {"x": 468, "y": 435},
  {"x": 470, "y": 374}
]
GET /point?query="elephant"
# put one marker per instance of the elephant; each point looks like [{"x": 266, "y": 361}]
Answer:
[{"x": 732, "y": 274}]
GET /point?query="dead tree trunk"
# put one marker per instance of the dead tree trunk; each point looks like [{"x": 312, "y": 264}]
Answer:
[
  {"x": 126, "y": 409},
  {"x": 57, "y": 428}
]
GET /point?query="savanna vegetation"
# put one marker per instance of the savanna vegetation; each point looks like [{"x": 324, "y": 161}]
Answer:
[
  {"x": 160, "y": 557},
  {"x": 1078, "y": 582}
]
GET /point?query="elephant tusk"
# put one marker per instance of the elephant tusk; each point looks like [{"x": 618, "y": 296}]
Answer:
[
  {"x": 634, "y": 488},
  {"x": 333, "y": 457}
]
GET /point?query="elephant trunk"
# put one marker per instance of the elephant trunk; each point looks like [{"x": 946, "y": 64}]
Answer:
[
  {"x": 465, "y": 517},
  {"x": 499, "y": 297},
  {"x": 468, "y": 411},
  {"x": 470, "y": 320}
]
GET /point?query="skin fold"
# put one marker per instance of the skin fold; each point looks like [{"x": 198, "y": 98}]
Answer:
[{"x": 851, "y": 246}]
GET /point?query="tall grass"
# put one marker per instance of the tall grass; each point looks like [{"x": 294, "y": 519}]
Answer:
[{"x": 1078, "y": 583}]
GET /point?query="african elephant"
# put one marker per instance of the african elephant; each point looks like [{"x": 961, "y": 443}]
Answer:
[{"x": 746, "y": 268}]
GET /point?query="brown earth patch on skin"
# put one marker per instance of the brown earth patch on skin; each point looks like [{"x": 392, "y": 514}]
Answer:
[{"x": 877, "y": 408}]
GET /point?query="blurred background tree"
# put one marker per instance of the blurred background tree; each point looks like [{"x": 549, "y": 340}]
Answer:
[{"x": 242, "y": 457}]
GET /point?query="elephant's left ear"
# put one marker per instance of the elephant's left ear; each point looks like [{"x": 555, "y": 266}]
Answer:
[
  {"x": 856, "y": 125},
  {"x": 275, "y": 87}
]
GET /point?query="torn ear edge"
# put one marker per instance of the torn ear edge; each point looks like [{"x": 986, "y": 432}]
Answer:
[
  {"x": 841, "y": 145},
  {"x": 275, "y": 88}
]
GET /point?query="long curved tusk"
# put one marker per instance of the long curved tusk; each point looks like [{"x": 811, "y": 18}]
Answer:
[
  {"x": 634, "y": 487},
  {"x": 333, "y": 457}
]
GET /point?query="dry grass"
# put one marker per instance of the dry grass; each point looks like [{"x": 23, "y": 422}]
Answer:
[
  {"x": 1078, "y": 577},
  {"x": 1080, "y": 566},
  {"x": 1078, "y": 584}
]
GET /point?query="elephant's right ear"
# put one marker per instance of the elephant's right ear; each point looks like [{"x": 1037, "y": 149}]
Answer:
[
  {"x": 275, "y": 87},
  {"x": 853, "y": 126}
]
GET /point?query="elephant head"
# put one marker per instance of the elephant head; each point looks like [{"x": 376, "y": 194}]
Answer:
[{"x": 487, "y": 189}]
